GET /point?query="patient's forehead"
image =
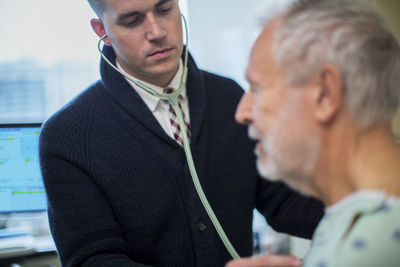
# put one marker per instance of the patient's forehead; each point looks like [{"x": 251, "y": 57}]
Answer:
[{"x": 262, "y": 67}]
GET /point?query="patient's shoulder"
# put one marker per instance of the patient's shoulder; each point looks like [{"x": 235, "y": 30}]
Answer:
[{"x": 374, "y": 239}]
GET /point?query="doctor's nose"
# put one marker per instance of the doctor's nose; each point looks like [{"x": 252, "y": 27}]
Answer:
[
  {"x": 244, "y": 111},
  {"x": 155, "y": 30}
]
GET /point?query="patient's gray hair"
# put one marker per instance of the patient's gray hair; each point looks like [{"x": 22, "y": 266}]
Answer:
[{"x": 352, "y": 36}]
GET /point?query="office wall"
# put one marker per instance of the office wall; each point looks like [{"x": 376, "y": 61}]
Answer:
[
  {"x": 222, "y": 33},
  {"x": 391, "y": 10}
]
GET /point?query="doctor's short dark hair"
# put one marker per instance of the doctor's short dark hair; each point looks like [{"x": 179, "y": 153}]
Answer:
[{"x": 97, "y": 6}]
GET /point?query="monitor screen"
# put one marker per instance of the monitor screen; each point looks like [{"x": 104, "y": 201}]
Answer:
[{"x": 21, "y": 184}]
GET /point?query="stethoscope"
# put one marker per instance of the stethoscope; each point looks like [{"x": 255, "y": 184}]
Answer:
[{"x": 172, "y": 98}]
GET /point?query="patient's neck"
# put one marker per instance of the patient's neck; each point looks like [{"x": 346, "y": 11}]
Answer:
[
  {"x": 376, "y": 163},
  {"x": 367, "y": 160}
]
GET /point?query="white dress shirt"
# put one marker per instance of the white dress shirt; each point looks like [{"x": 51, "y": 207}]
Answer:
[{"x": 160, "y": 108}]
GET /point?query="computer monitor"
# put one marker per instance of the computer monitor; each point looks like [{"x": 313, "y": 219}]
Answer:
[{"x": 21, "y": 184}]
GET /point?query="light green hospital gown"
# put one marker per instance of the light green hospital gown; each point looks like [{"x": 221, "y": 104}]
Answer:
[{"x": 373, "y": 241}]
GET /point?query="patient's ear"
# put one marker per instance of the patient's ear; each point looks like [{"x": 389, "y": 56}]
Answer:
[
  {"x": 327, "y": 95},
  {"x": 98, "y": 28}
]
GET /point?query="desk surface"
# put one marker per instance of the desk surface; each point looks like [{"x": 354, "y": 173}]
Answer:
[{"x": 24, "y": 244}]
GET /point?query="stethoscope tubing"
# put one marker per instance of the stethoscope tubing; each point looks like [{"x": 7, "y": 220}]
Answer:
[{"x": 172, "y": 98}]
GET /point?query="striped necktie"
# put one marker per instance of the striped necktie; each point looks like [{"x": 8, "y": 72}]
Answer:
[{"x": 177, "y": 132}]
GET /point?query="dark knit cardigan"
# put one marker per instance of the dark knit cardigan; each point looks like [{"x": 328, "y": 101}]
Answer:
[{"x": 119, "y": 189}]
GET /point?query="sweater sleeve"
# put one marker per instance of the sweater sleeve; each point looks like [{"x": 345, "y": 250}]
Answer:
[
  {"x": 85, "y": 231},
  {"x": 286, "y": 210}
]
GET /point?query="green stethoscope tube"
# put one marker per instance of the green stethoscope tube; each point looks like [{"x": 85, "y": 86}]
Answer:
[{"x": 172, "y": 98}]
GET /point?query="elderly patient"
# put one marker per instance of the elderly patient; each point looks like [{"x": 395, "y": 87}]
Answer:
[{"x": 325, "y": 79}]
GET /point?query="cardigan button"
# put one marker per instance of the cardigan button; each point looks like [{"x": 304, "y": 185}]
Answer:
[{"x": 201, "y": 226}]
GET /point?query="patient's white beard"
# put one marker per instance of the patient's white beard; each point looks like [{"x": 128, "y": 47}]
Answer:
[{"x": 291, "y": 149}]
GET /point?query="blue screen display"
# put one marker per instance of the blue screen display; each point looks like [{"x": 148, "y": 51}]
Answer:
[{"x": 21, "y": 184}]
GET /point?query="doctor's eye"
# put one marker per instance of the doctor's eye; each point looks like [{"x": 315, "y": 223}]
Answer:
[
  {"x": 164, "y": 9},
  {"x": 132, "y": 21}
]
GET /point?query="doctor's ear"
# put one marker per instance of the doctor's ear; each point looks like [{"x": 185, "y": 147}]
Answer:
[{"x": 98, "y": 27}]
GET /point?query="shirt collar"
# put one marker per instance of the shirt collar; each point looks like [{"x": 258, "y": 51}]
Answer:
[
  {"x": 150, "y": 100},
  {"x": 368, "y": 199}
]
